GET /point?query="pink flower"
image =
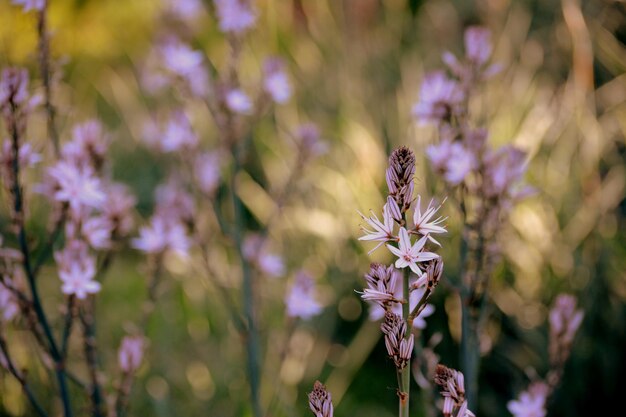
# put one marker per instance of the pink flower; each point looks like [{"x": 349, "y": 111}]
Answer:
[
  {"x": 439, "y": 98},
  {"x": 238, "y": 102},
  {"x": 118, "y": 208},
  {"x": 178, "y": 134},
  {"x": 76, "y": 186},
  {"x": 478, "y": 45},
  {"x": 411, "y": 254},
  {"x": 276, "y": 83},
  {"x": 505, "y": 168},
  {"x": 530, "y": 403},
  {"x": 452, "y": 160},
  {"x": 424, "y": 223},
  {"x": 377, "y": 312},
  {"x": 174, "y": 203},
  {"x": 184, "y": 9},
  {"x": 77, "y": 270},
  {"x": 207, "y": 171},
  {"x": 8, "y": 303},
  {"x": 88, "y": 146},
  {"x": 13, "y": 87},
  {"x": 29, "y": 5},
  {"x": 97, "y": 232},
  {"x": 130, "y": 353},
  {"x": 181, "y": 61},
  {"x": 255, "y": 252},
  {"x": 27, "y": 158},
  {"x": 272, "y": 265},
  {"x": 381, "y": 231},
  {"x": 300, "y": 299},
  {"x": 162, "y": 236},
  {"x": 180, "y": 58},
  {"x": 235, "y": 16},
  {"x": 308, "y": 136}
]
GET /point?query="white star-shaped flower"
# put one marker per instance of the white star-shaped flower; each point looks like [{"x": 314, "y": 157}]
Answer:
[
  {"x": 424, "y": 225},
  {"x": 411, "y": 254}
]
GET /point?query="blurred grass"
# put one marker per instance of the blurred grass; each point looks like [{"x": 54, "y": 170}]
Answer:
[{"x": 357, "y": 66}]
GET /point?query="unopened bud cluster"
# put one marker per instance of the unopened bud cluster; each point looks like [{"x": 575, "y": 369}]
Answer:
[{"x": 452, "y": 385}]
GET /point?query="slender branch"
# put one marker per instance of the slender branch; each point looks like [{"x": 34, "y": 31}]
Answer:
[
  {"x": 225, "y": 295},
  {"x": 406, "y": 371},
  {"x": 44, "y": 253},
  {"x": 26, "y": 263},
  {"x": 44, "y": 68},
  {"x": 67, "y": 328},
  {"x": 252, "y": 342},
  {"x": 91, "y": 357},
  {"x": 4, "y": 351}
]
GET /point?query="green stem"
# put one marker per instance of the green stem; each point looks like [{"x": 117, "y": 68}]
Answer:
[
  {"x": 406, "y": 371},
  {"x": 44, "y": 67},
  {"x": 252, "y": 336}
]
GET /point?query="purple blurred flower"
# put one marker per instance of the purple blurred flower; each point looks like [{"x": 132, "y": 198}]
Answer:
[
  {"x": 276, "y": 83},
  {"x": 8, "y": 303},
  {"x": 530, "y": 403},
  {"x": 130, "y": 354},
  {"x": 184, "y": 9},
  {"x": 452, "y": 160},
  {"x": 235, "y": 16},
  {"x": 162, "y": 236},
  {"x": 207, "y": 171},
  {"x": 78, "y": 187},
  {"x": 300, "y": 299},
  {"x": 478, "y": 46},
  {"x": 29, "y": 5},
  {"x": 439, "y": 98},
  {"x": 77, "y": 270},
  {"x": 237, "y": 101}
]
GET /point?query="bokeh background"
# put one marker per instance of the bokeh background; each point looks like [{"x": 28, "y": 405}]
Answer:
[{"x": 356, "y": 67}]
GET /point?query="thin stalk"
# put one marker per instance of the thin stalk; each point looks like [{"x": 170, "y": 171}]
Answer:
[
  {"x": 91, "y": 357},
  {"x": 406, "y": 371},
  {"x": 4, "y": 351},
  {"x": 26, "y": 262},
  {"x": 44, "y": 68},
  {"x": 252, "y": 336}
]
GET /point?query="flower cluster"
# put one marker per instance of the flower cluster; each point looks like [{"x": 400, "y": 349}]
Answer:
[
  {"x": 130, "y": 353},
  {"x": 301, "y": 299},
  {"x": 463, "y": 157},
  {"x": 402, "y": 298},
  {"x": 98, "y": 212},
  {"x": 564, "y": 320},
  {"x": 383, "y": 287},
  {"x": 452, "y": 385}
]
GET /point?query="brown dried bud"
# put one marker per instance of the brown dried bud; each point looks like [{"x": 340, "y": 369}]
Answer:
[
  {"x": 320, "y": 401},
  {"x": 400, "y": 177}
]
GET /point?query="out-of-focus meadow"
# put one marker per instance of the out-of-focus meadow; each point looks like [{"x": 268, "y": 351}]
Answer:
[{"x": 356, "y": 67}]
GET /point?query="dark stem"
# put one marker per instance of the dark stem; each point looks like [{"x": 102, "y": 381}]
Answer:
[
  {"x": 4, "y": 351},
  {"x": 67, "y": 328},
  {"x": 21, "y": 236},
  {"x": 44, "y": 68},
  {"x": 91, "y": 357}
]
